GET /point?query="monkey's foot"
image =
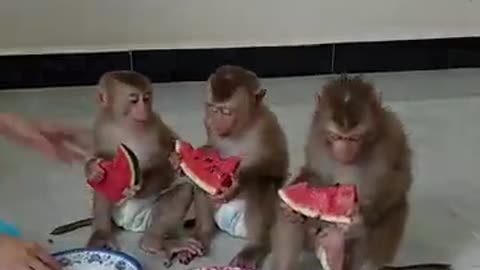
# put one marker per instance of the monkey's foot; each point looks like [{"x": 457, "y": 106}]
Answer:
[
  {"x": 103, "y": 240},
  {"x": 251, "y": 258},
  {"x": 330, "y": 249},
  {"x": 151, "y": 244}
]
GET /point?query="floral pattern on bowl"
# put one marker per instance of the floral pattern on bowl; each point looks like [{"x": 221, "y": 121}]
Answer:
[{"x": 93, "y": 259}]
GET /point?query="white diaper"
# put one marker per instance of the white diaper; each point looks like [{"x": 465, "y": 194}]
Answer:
[
  {"x": 136, "y": 214},
  {"x": 230, "y": 218}
]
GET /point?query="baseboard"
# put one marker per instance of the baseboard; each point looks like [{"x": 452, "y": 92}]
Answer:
[{"x": 27, "y": 71}]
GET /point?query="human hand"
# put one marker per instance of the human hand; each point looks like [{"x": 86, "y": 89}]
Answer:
[
  {"x": 175, "y": 159},
  {"x": 17, "y": 254},
  {"x": 71, "y": 142},
  {"x": 51, "y": 139}
]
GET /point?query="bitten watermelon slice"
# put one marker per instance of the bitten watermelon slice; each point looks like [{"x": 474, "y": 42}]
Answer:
[
  {"x": 122, "y": 176},
  {"x": 206, "y": 168},
  {"x": 335, "y": 203}
]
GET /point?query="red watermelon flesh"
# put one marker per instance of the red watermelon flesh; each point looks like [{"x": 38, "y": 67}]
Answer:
[
  {"x": 122, "y": 175},
  {"x": 206, "y": 168},
  {"x": 335, "y": 203}
]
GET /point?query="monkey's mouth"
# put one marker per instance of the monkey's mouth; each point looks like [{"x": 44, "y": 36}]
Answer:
[
  {"x": 344, "y": 150},
  {"x": 140, "y": 122},
  {"x": 141, "y": 118},
  {"x": 222, "y": 132}
]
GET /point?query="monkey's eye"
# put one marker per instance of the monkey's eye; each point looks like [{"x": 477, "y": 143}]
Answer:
[
  {"x": 226, "y": 111},
  {"x": 133, "y": 98},
  {"x": 333, "y": 136},
  {"x": 213, "y": 109},
  {"x": 354, "y": 138},
  {"x": 146, "y": 97}
]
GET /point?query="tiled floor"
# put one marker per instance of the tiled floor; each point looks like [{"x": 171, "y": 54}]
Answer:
[{"x": 440, "y": 109}]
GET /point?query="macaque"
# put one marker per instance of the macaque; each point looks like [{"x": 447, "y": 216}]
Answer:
[
  {"x": 238, "y": 123},
  {"x": 125, "y": 116},
  {"x": 353, "y": 139}
]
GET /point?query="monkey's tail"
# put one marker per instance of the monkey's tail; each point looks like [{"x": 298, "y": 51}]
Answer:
[
  {"x": 426, "y": 266},
  {"x": 70, "y": 227}
]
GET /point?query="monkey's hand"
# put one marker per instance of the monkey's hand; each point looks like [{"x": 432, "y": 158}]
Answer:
[
  {"x": 356, "y": 228},
  {"x": 102, "y": 239},
  {"x": 227, "y": 194},
  {"x": 291, "y": 215},
  {"x": 94, "y": 172},
  {"x": 175, "y": 159}
]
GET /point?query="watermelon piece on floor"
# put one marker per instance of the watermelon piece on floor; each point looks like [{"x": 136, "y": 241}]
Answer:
[
  {"x": 206, "y": 168},
  {"x": 122, "y": 176},
  {"x": 336, "y": 203},
  {"x": 226, "y": 267}
]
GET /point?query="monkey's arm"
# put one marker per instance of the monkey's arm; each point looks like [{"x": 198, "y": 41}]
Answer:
[
  {"x": 87, "y": 168},
  {"x": 391, "y": 192},
  {"x": 308, "y": 175},
  {"x": 264, "y": 172}
]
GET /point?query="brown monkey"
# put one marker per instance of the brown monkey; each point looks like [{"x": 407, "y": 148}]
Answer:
[
  {"x": 353, "y": 139},
  {"x": 125, "y": 115},
  {"x": 238, "y": 123}
]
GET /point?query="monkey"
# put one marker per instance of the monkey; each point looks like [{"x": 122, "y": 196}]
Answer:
[
  {"x": 238, "y": 123},
  {"x": 125, "y": 115},
  {"x": 353, "y": 139}
]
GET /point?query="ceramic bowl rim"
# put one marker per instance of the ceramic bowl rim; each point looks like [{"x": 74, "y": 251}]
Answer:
[{"x": 122, "y": 255}]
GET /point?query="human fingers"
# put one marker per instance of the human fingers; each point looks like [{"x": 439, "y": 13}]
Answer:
[
  {"x": 36, "y": 264},
  {"x": 46, "y": 258}
]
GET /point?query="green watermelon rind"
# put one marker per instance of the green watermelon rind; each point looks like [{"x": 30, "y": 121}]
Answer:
[
  {"x": 133, "y": 165},
  {"x": 190, "y": 174}
]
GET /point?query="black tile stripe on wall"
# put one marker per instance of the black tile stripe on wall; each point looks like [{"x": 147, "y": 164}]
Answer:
[
  {"x": 196, "y": 65},
  {"x": 28, "y": 71}
]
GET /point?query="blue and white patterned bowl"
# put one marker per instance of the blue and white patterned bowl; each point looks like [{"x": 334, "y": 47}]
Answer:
[{"x": 95, "y": 259}]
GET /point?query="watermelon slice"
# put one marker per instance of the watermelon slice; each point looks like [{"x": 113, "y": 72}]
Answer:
[
  {"x": 335, "y": 203},
  {"x": 122, "y": 176},
  {"x": 206, "y": 168}
]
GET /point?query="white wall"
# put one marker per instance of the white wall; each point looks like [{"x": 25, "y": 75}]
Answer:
[{"x": 40, "y": 26}]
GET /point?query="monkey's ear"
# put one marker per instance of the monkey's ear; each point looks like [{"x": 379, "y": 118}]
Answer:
[
  {"x": 377, "y": 97},
  {"x": 102, "y": 99},
  {"x": 260, "y": 94},
  {"x": 318, "y": 100}
]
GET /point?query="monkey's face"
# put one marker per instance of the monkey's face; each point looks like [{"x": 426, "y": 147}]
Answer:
[
  {"x": 233, "y": 95},
  {"x": 229, "y": 117},
  {"x": 220, "y": 118},
  {"x": 347, "y": 122},
  {"x": 140, "y": 106},
  {"x": 131, "y": 105},
  {"x": 345, "y": 145}
]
